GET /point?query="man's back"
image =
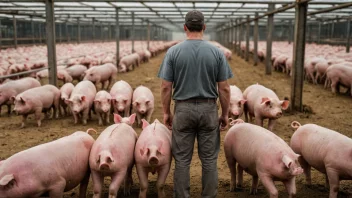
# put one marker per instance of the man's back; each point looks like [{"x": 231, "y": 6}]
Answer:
[{"x": 194, "y": 66}]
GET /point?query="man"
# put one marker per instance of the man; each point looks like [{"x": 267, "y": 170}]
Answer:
[{"x": 195, "y": 68}]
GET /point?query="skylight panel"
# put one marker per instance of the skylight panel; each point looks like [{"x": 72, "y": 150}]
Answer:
[
  {"x": 255, "y": 5},
  {"x": 135, "y": 9},
  {"x": 155, "y": 4},
  {"x": 230, "y": 5},
  {"x": 184, "y": 4},
  {"x": 30, "y": 4},
  {"x": 67, "y": 4},
  {"x": 97, "y": 4},
  {"x": 128, "y": 4},
  {"x": 6, "y": 4},
  {"x": 211, "y": 5}
]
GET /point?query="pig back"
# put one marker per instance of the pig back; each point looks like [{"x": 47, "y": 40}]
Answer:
[
  {"x": 85, "y": 88},
  {"x": 142, "y": 91},
  {"x": 121, "y": 87},
  {"x": 21, "y": 85}
]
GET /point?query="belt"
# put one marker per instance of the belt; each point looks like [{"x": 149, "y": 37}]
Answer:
[{"x": 198, "y": 100}]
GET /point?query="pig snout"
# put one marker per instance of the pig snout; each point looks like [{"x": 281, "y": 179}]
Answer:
[
  {"x": 296, "y": 171},
  {"x": 121, "y": 108},
  {"x": 104, "y": 167},
  {"x": 278, "y": 114},
  {"x": 236, "y": 113},
  {"x": 153, "y": 161}
]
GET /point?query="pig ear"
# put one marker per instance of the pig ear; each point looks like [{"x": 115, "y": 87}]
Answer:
[
  {"x": 83, "y": 98},
  {"x": 12, "y": 99},
  {"x": 148, "y": 101},
  {"x": 6, "y": 179},
  {"x": 265, "y": 101},
  {"x": 243, "y": 101},
  {"x": 144, "y": 151},
  {"x": 285, "y": 104},
  {"x": 22, "y": 100},
  {"x": 68, "y": 101},
  {"x": 117, "y": 118},
  {"x": 287, "y": 161},
  {"x": 145, "y": 123},
  {"x": 132, "y": 118}
]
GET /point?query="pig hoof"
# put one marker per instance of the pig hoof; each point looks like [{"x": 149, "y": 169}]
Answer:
[{"x": 253, "y": 192}]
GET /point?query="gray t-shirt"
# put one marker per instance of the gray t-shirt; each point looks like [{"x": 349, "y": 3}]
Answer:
[{"x": 194, "y": 67}]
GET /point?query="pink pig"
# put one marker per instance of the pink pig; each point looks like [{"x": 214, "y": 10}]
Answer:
[
  {"x": 14, "y": 87},
  {"x": 65, "y": 91},
  {"x": 81, "y": 100},
  {"x": 37, "y": 100},
  {"x": 326, "y": 150},
  {"x": 101, "y": 74},
  {"x": 153, "y": 154},
  {"x": 102, "y": 105},
  {"x": 143, "y": 103},
  {"x": 112, "y": 155},
  {"x": 263, "y": 103},
  {"x": 121, "y": 94},
  {"x": 236, "y": 102},
  {"x": 76, "y": 71},
  {"x": 127, "y": 120},
  {"x": 55, "y": 167},
  {"x": 263, "y": 155}
]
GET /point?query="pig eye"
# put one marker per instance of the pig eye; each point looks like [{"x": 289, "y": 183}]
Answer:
[
  {"x": 125, "y": 101},
  {"x": 91, "y": 74}
]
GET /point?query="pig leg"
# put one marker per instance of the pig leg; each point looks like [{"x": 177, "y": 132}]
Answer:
[
  {"x": 24, "y": 118},
  {"x": 127, "y": 112},
  {"x": 240, "y": 176},
  {"x": 271, "y": 124},
  {"x": 98, "y": 181},
  {"x": 75, "y": 117},
  {"x": 116, "y": 181},
  {"x": 334, "y": 182},
  {"x": 128, "y": 182},
  {"x": 231, "y": 162},
  {"x": 143, "y": 180},
  {"x": 107, "y": 117},
  {"x": 58, "y": 189},
  {"x": 149, "y": 115},
  {"x": 139, "y": 118},
  {"x": 245, "y": 110},
  {"x": 290, "y": 186},
  {"x": 38, "y": 114},
  {"x": 162, "y": 175},
  {"x": 8, "y": 110},
  {"x": 306, "y": 167},
  {"x": 258, "y": 121},
  {"x": 100, "y": 119},
  {"x": 254, "y": 188},
  {"x": 110, "y": 81},
  {"x": 85, "y": 116},
  {"x": 84, "y": 184},
  {"x": 268, "y": 183}
]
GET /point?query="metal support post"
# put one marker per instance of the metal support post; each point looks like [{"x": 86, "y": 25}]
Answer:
[
  {"x": 298, "y": 56},
  {"x": 93, "y": 29},
  {"x": 14, "y": 30},
  {"x": 117, "y": 37},
  {"x": 247, "y": 39},
  {"x": 319, "y": 32},
  {"x": 236, "y": 29},
  {"x": 78, "y": 31},
  {"x": 50, "y": 41},
  {"x": 132, "y": 32},
  {"x": 255, "y": 39},
  {"x": 239, "y": 37},
  {"x": 148, "y": 34},
  {"x": 348, "y": 44},
  {"x": 269, "y": 39},
  {"x": 32, "y": 30}
]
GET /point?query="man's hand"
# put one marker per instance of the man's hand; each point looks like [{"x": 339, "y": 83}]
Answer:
[
  {"x": 223, "y": 121},
  {"x": 168, "y": 120}
]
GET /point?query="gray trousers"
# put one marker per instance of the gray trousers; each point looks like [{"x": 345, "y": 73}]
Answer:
[{"x": 193, "y": 120}]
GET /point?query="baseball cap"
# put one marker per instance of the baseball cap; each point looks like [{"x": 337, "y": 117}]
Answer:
[{"x": 194, "y": 17}]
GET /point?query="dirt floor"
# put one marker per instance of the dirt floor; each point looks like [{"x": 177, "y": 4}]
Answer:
[{"x": 331, "y": 111}]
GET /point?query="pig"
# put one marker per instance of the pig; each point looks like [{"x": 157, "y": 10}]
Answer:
[
  {"x": 128, "y": 62},
  {"x": 112, "y": 155},
  {"x": 338, "y": 74},
  {"x": 121, "y": 94},
  {"x": 263, "y": 155},
  {"x": 147, "y": 56},
  {"x": 153, "y": 154},
  {"x": 65, "y": 93},
  {"x": 320, "y": 69},
  {"x": 126, "y": 120},
  {"x": 37, "y": 100},
  {"x": 63, "y": 75},
  {"x": 279, "y": 63},
  {"x": 102, "y": 105},
  {"x": 262, "y": 103},
  {"x": 54, "y": 168},
  {"x": 143, "y": 103},
  {"x": 236, "y": 102},
  {"x": 76, "y": 71},
  {"x": 14, "y": 87},
  {"x": 101, "y": 74},
  {"x": 326, "y": 150},
  {"x": 81, "y": 100},
  {"x": 288, "y": 65}
]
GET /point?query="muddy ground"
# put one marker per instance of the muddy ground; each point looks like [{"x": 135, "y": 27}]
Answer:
[{"x": 332, "y": 111}]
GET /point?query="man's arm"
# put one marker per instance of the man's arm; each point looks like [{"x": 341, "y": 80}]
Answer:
[
  {"x": 224, "y": 96},
  {"x": 166, "y": 91}
]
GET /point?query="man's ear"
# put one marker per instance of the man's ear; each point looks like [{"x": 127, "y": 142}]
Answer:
[
  {"x": 185, "y": 28},
  {"x": 204, "y": 27}
]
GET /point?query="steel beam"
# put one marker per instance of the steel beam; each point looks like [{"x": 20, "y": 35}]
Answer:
[
  {"x": 269, "y": 39},
  {"x": 148, "y": 34},
  {"x": 231, "y": 34},
  {"x": 298, "y": 57},
  {"x": 289, "y": 32},
  {"x": 348, "y": 44},
  {"x": 78, "y": 31},
  {"x": 93, "y": 29},
  {"x": 247, "y": 39},
  {"x": 14, "y": 30},
  {"x": 32, "y": 31},
  {"x": 66, "y": 32},
  {"x": 132, "y": 32},
  {"x": 319, "y": 32},
  {"x": 239, "y": 52},
  {"x": 332, "y": 29},
  {"x": 255, "y": 39},
  {"x": 342, "y": 5},
  {"x": 60, "y": 32},
  {"x": 236, "y": 30},
  {"x": 101, "y": 32},
  {"x": 117, "y": 37},
  {"x": 40, "y": 32},
  {"x": 50, "y": 41},
  {"x": 0, "y": 34}
]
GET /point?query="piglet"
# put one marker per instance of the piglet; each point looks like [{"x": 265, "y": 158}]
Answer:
[
  {"x": 37, "y": 100},
  {"x": 143, "y": 103},
  {"x": 326, "y": 150},
  {"x": 262, "y": 103},
  {"x": 54, "y": 168},
  {"x": 263, "y": 155},
  {"x": 76, "y": 71},
  {"x": 13, "y": 88},
  {"x": 81, "y": 100},
  {"x": 127, "y": 120},
  {"x": 236, "y": 102},
  {"x": 102, "y": 105},
  {"x": 112, "y": 155},
  {"x": 121, "y": 94},
  {"x": 65, "y": 91},
  {"x": 153, "y": 154},
  {"x": 101, "y": 74}
]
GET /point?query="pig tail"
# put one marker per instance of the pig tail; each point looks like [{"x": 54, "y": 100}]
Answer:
[
  {"x": 91, "y": 129},
  {"x": 237, "y": 121},
  {"x": 295, "y": 125}
]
